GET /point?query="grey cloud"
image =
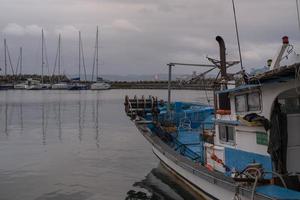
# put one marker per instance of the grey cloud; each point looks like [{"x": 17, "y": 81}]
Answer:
[{"x": 141, "y": 36}]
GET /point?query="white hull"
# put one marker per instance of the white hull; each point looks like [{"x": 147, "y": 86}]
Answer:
[
  {"x": 20, "y": 86},
  {"x": 206, "y": 189},
  {"x": 61, "y": 86},
  {"x": 100, "y": 86}
]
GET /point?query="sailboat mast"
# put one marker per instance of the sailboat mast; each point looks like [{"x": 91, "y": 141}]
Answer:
[
  {"x": 59, "y": 55},
  {"x": 5, "y": 58},
  {"x": 42, "y": 56},
  {"x": 21, "y": 60},
  {"x": 97, "y": 54},
  {"x": 79, "y": 54}
]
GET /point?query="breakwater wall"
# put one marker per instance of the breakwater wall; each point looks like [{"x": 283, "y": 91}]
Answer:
[{"x": 159, "y": 85}]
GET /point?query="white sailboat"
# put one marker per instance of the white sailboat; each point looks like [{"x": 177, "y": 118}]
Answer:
[
  {"x": 22, "y": 85},
  {"x": 36, "y": 84},
  {"x": 100, "y": 84},
  {"x": 60, "y": 85},
  {"x": 77, "y": 84}
]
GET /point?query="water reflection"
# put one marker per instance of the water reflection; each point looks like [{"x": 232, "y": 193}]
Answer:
[
  {"x": 77, "y": 145},
  {"x": 47, "y": 117},
  {"x": 160, "y": 184}
]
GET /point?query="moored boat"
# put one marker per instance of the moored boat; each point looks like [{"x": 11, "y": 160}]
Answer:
[
  {"x": 246, "y": 146},
  {"x": 61, "y": 86},
  {"x": 100, "y": 86}
]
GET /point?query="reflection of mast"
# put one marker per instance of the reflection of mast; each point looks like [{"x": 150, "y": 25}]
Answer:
[
  {"x": 21, "y": 118},
  {"x": 79, "y": 122},
  {"x": 43, "y": 124},
  {"x": 6, "y": 119},
  {"x": 97, "y": 122},
  {"x": 59, "y": 122}
]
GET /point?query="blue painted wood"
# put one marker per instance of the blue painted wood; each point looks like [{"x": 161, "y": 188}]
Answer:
[
  {"x": 239, "y": 160},
  {"x": 278, "y": 192}
]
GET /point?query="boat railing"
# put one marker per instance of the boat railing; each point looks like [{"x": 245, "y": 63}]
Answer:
[{"x": 185, "y": 149}]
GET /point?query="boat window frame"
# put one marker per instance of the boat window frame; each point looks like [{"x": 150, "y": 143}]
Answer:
[
  {"x": 247, "y": 108},
  {"x": 226, "y": 139}
]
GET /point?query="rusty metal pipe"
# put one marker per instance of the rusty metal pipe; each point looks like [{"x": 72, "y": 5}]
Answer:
[{"x": 222, "y": 57}]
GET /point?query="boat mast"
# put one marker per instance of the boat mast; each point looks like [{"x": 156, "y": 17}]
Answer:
[
  {"x": 42, "y": 56},
  {"x": 21, "y": 60},
  {"x": 5, "y": 58},
  {"x": 59, "y": 55},
  {"x": 238, "y": 39},
  {"x": 97, "y": 53},
  {"x": 79, "y": 54}
]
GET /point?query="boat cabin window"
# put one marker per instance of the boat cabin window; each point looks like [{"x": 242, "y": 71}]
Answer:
[
  {"x": 248, "y": 102},
  {"x": 226, "y": 134},
  {"x": 224, "y": 101},
  {"x": 240, "y": 103}
]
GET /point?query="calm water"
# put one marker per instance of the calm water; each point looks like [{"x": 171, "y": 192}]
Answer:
[{"x": 61, "y": 145}]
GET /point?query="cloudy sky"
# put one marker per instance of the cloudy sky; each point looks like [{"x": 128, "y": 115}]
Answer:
[{"x": 141, "y": 36}]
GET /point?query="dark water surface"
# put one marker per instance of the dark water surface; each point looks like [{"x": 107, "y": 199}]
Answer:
[{"x": 61, "y": 145}]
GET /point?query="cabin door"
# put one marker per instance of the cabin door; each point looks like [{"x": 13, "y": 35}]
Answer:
[
  {"x": 293, "y": 147},
  {"x": 290, "y": 105}
]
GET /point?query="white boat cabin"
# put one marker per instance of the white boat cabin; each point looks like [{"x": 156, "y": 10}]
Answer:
[{"x": 260, "y": 122}]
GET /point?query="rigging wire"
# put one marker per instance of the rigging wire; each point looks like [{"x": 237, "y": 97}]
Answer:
[
  {"x": 10, "y": 62},
  {"x": 55, "y": 62},
  {"x": 83, "y": 63},
  {"x": 238, "y": 38},
  {"x": 18, "y": 63},
  {"x": 94, "y": 63}
]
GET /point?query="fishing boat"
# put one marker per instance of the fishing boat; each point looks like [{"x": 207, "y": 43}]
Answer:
[
  {"x": 246, "y": 146},
  {"x": 100, "y": 84}
]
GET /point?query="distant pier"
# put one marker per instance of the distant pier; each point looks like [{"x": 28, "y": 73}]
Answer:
[{"x": 205, "y": 84}]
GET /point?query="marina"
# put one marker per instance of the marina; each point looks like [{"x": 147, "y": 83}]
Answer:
[{"x": 150, "y": 100}]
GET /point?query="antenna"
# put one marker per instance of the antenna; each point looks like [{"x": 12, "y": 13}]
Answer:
[
  {"x": 238, "y": 38},
  {"x": 297, "y": 3}
]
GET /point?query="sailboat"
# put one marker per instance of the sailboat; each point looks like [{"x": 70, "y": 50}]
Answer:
[
  {"x": 60, "y": 85},
  {"x": 77, "y": 85},
  {"x": 36, "y": 84},
  {"x": 22, "y": 85},
  {"x": 100, "y": 84}
]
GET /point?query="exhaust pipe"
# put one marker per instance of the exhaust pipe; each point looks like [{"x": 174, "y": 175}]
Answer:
[{"x": 222, "y": 57}]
